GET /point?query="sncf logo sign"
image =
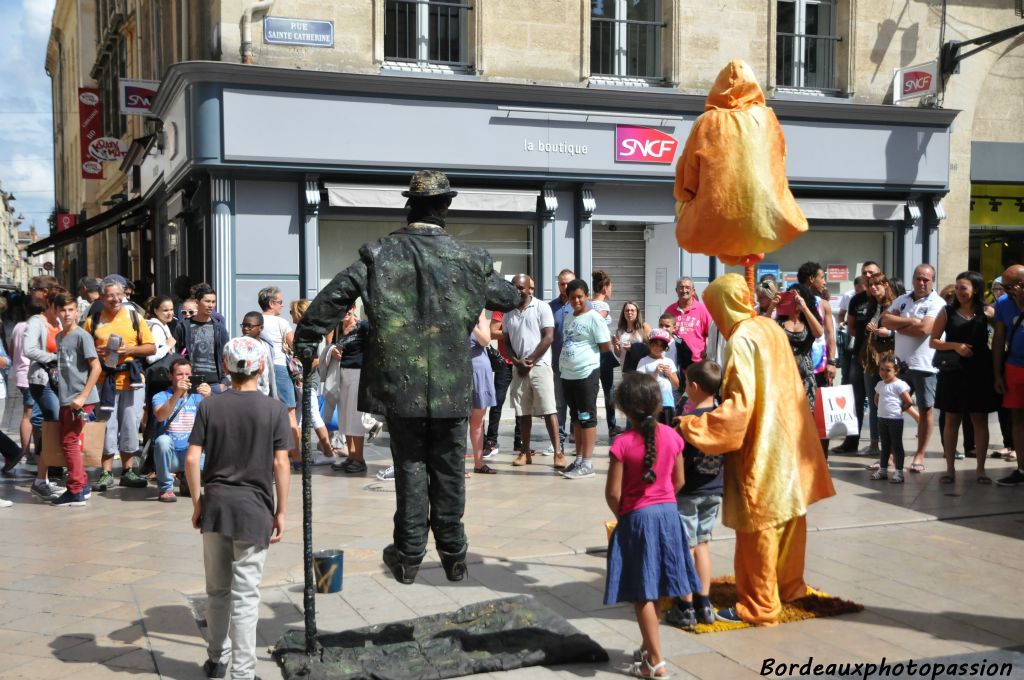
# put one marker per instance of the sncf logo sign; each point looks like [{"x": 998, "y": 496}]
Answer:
[
  {"x": 644, "y": 145},
  {"x": 916, "y": 81}
]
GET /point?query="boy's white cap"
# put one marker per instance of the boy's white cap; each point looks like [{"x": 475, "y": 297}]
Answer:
[{"x": 242, "y": 355}]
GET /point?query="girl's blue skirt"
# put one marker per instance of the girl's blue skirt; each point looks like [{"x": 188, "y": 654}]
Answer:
[{"x": 648, "y": 557}]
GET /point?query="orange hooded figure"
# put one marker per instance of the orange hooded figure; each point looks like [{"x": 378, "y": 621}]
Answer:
[
  {"x": 774, "y": 468},
  {"x": 733, "y": 200}
]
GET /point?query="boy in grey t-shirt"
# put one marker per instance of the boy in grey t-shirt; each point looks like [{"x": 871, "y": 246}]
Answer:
[{"x": 78, "y": 370}]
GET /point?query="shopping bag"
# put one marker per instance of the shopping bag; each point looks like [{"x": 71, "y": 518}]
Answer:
[
  {"x": 92, "y": 438},
  {"x": 835, "y": 413},
  {"x": 330, "y": 419}
]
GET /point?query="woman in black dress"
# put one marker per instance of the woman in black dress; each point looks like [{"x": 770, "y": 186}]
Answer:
[
  {"x": 966, "y": 389},
  {"x": 802, "y": 327}
]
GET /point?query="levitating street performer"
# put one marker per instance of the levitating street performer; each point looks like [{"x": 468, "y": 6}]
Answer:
[
  {"x": 422, "y": 291},
  {"x": 773, "y": 464},
  {"x": 733, "y": 202},
  {"x": 733, "y": 199}
]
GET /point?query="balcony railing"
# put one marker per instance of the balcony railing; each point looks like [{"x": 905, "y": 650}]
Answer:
[
  {"x": 806, "y": 61},
  {"x": 625, "y": 47}
]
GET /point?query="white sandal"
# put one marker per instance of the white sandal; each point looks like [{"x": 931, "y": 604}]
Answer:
[{"x": 652, "y": 671}]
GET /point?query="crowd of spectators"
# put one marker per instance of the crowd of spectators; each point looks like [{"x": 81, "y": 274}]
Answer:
[{"x": 960, "y": 353}]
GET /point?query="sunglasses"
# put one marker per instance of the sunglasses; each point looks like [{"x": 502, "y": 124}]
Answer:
[
  {"x": 188, "y": 312},
  {"x": 247, "y": 326}
]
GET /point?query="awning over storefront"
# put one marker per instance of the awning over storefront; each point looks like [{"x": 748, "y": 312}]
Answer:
[
  {"x": 827, "y": 209},
  {"x": 118, "y": 215},
  {"x": 390, "y": 198}
]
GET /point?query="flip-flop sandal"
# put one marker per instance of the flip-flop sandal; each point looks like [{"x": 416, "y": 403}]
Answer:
[
  {"x": 485, "y": 470},
  {"x": 946, "y": 479},
  {"x": 984, "y": 479},
  {"x": 917, "y": 467}
]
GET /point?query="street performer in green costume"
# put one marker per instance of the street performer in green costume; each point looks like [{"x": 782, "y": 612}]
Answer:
[{"x": 422, "y": 291}]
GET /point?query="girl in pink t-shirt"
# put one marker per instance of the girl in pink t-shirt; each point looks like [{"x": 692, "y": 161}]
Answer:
[{"x": 648, "y": 557}]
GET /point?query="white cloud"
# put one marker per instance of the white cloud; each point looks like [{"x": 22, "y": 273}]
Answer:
[{"x": 37, "y": 17}]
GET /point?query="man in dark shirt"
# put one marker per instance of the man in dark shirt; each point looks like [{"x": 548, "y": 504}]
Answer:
[
  {"x": 246, "y": 436},
  {"x": 857, "y": 318},
  {"x": 201, "y": 337}
]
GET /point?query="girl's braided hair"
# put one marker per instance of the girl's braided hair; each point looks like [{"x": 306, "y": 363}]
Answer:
[{"x": 639, "y": 397}]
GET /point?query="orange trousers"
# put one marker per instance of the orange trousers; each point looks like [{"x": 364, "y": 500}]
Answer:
[{"x": 769, "y": 568}]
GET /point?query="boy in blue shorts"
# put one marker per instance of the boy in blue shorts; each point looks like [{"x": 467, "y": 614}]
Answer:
[{"x": 700, "y": 498}]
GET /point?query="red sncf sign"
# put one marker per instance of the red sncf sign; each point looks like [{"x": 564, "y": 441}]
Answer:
[{"x": 916, "y": 81}]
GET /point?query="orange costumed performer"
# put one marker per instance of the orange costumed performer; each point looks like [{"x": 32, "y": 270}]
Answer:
[
  {"x": 774, "y": 468},
  {"x": 733, "y": 200}
]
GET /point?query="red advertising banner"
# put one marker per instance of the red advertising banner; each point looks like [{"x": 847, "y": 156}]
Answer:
[
  {"x": 66, "y": 221},
  {"x": 838, "y": 272},
  {"x": 90, "y": 117}
]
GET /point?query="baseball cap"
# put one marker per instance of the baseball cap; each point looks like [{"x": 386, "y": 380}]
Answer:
[
  {"x": 242, "y": 355},
  {"x": 659, "y": 334}
]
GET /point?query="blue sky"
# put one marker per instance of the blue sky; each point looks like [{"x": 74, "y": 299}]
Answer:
[{"x": 26, "y": 122}]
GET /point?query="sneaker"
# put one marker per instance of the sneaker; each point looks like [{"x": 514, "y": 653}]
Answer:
[
  {"x": 728, "y": 615},
  {"x": 1013, "y": 479},
  {"x": 614, "y": 431},
  {"x": 682, "y": 615},
  {"x": 321, "y": 459},
  {"x": 9, "y": 465},
  {"x": 215, "y": 669},
  {"x": 132, "y": 480},
  {"x": 374, "y": 431},
  {"x": 490, "y": 452},
  {"x": 4, "y": 503},
  {"x": 897, "y": 477},
  {"x": 549, "y": 451},
  {"x": 354, "y": 467},
  {"x": 387, "y": 474},
  {"x": 582, "y": 470},
  {"x": 705, "y": 611},
  {"x": 45, "y": 491},
  {"x": 105, "y": 481},
  {"x": 879, "y": 474},
  {"x": 338, "y": 465},
  {"x": 960, "y": 455},
  {"x": 69, "y": 500},
  {"x": 868, "y": 451},
  {"x": 571, "y": 466},
  {"x": 167, "y": 497}
]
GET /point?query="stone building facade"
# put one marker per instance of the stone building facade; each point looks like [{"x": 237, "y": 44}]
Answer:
[{"x": 277, "y": 145}]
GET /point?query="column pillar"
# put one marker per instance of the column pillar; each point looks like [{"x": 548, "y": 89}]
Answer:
[
  {"x": 222, "y": 209},
  {"x": 310, "y": 279}
]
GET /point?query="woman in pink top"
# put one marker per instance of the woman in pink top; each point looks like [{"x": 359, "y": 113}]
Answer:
[{"x": 648, "y": 557}]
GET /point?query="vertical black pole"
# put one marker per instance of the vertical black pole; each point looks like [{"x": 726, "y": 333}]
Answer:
[{"x": 309, "y": 589}]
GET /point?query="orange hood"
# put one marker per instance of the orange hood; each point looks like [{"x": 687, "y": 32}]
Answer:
[
  {"x": 728, "y": 302},
  {"x": 735, "y": 88}
]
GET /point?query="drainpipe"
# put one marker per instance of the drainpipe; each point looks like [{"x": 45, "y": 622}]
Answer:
[{"x": 245, "y": 25}]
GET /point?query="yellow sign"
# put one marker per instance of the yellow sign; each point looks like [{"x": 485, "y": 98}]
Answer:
[{"x": 997, "y": 205}]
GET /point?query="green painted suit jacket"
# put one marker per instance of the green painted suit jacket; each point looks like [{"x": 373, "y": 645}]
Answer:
[{"x": 422, "y": 291}]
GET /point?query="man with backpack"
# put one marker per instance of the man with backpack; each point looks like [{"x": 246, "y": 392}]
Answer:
[{"x": 121, "y": 336}]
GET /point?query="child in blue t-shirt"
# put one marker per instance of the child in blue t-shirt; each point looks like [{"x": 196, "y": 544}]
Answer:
[{"x": 700, "y": 498}]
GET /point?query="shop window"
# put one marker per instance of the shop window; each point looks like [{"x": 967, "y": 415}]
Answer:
[
  {"x": 806, "y": 44},
  {"x": 625, "y": 38},
  {"x": 427, "y": 32}
]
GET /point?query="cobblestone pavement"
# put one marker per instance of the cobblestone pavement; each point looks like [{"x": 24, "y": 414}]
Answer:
[{"x": 104, "y": 591}]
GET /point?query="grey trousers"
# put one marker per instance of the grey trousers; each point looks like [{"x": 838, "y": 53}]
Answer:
[
  {"x": 122, "y": 433},
  {"x": 233, "y": 573}
]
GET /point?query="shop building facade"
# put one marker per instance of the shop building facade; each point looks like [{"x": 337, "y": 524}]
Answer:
[
  {"x": 276, "y": 169},
  {"x": 265, "y": 176}
]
